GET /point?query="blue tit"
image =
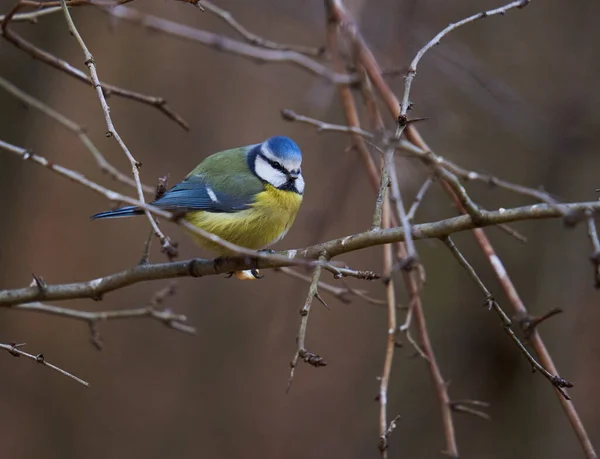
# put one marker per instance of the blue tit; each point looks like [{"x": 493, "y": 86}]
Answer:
[{"x": 248, "y": 196}]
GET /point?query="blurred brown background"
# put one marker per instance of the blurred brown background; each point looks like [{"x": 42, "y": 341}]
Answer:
[{"x": 517, "y": 96}]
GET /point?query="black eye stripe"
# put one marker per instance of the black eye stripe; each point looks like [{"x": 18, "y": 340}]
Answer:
[{"x": 274, "y": 164}]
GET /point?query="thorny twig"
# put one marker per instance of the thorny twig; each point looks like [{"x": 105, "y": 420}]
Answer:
[
  {"x": 166, "y": 316},
  {"x": 301, "y": 352},
  {"x": 412, "y": 69},
  {"x": 14, "y": 350},
  {"x": 343, "y": 294},
  {"x": 290, "y": 115},
  {"x": 558, "y": 382}
]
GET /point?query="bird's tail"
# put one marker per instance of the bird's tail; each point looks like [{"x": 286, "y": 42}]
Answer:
[{"x": 122, "y": 212}]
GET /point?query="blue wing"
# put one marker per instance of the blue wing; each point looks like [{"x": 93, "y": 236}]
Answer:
[{"x": 194, "y": 194}]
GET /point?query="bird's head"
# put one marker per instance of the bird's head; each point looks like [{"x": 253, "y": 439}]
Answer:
[{"x": 278, "y": 161}]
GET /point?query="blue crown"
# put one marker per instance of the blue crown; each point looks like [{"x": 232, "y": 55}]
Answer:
[{"x": 284, "y": 147}]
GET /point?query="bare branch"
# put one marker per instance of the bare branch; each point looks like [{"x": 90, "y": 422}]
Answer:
[
  {"x": 595, "y": 256},
  {"x": 558, "y": 382},
  {"x": 419, "y": 198},
  {"x": 221, "y": 43},
  {"x": 290, "y": 115},
  {"x": 341, "y": 293},
  {"x": 78, "y": 130},
  {"x": 437, "y": 162},
  {"x": 255, "y": 39},
  {"x": 384, "y": 382},
  {"x": 165, "y": 316},
  {"x": 14, "y": 350},
  {"x": 396, "y": 199},
  {"x": 412, "y": 69},
  {"x": 47, "y": 58},
  {"x": 302, "y": 353}
]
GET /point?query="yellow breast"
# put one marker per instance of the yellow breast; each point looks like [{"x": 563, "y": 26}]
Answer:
[{"x": 263, "y": 224}]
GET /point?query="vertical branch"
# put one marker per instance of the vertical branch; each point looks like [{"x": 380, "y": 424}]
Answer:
[
  {"x": 358, "y": 142},
  {"x": 396, "y": 198},
  {"x": 595, "y": 256},
  {"x": 391, "y": 332},
  {"x": 301, "y": 351}
]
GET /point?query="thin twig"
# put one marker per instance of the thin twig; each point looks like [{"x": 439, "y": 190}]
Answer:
[
  {"x": 33, "y": 16},
  {"x": 412, "y": 69},
  {"x": 343, "y": 294},
  {"x": 439, "y": 162},
  {"x": 419, "y": 198},
  {"x": 41, "y": 55},
  {"x": 396, "y": 198},
  {"x": 558, "y": 382},
  {"x": 256, "y": 39},
  {"x": 301, "y": 352},
  {"x": 165, "y": 316},
  {"x": 468, "y": 407},
  {"x": 14, "y": 350},
  {"x": 78, "y": 130},
  {"x": 290, "y": 115},
  {"x": 595, "y": 256},
  {"x": 224, "y": 44}
]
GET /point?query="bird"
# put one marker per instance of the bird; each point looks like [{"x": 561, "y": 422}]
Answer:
[{"x": 249, "y": 196}]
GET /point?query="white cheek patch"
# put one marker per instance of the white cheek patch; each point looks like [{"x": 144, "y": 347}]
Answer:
[
  {"x": 300, "y": 184},
  {"x": 270, "y": 175}
]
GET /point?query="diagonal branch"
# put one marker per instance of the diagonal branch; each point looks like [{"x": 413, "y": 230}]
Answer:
[
  {"x": 254, "y": 39},
  {"x": 53, "y": 61},
  {"x": 14, "y": 350},
  {"x": 221, "y": 43},
  {"x": 77, "y": 129},
  {"x": 558, "y": 382}
]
